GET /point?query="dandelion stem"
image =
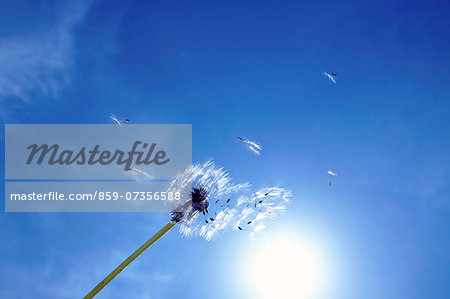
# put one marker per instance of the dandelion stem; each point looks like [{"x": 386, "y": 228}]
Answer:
[{"x": 131, "y": 258}]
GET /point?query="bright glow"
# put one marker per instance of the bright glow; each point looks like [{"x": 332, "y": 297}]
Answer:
[{"x": 286, "y": 269}]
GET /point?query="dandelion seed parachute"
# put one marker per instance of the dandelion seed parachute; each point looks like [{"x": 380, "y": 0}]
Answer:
[
  {"x": 332, "y": 174},
  {"x": 118, "y": 121},
  {"x": 140, "y": 174},
  {"x": 253, "y": 146},
  {"x": 331, "y": 77}
]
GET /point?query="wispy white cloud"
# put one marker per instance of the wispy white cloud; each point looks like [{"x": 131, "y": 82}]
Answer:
[
  {"x": 73, "y": 275},
  {"x": 43, "y": 61}
]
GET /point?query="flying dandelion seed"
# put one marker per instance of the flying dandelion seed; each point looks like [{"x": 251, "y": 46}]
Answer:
[
  {"x": 201, "y": 184},
  {"x": 331, "y": 76},
  {"x": 332, "y": 175},
  {"x": 253, "y": 146},
  {"x": 138, "y": 174},
  {"x": 118, "y": 121}
]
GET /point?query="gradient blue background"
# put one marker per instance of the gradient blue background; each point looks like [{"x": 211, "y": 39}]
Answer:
[{"x": 254, "y": 69}]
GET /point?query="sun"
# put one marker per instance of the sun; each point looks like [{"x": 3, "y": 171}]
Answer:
[{"x": 286, "y": 268}]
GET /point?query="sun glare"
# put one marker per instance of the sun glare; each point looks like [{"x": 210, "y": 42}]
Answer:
[{"x": 286, "y": 269}]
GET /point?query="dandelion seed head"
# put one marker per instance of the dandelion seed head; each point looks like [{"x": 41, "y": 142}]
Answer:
[
  {"x": 199, "y": 184},
  {"x": 213, "y": 203}
]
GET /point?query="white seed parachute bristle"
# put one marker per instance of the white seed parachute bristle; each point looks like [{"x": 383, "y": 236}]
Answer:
[
  {"x": 118, "y": 121},
  {"x": 112, "y": 116},
  {"x": 253, "y": 146},
  {"x": 331, "y": 77},
  {"x": 331, "y": 173},
  {"x": 140, "y": 174}
]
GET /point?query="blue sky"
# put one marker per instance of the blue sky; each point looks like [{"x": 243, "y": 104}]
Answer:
[{"x": 254, "y": 69}]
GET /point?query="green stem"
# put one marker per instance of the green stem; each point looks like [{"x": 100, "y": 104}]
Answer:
[{"x": 131, "y": 258}]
